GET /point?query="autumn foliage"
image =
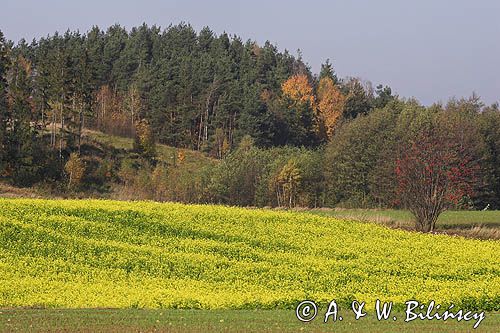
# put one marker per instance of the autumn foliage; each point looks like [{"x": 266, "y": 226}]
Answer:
[
  {"x": 144, "y": 142},
  {"x": 298, "y": 89},
  {"x": 330, "y": 105},
  {"x": 436, "y": 170},
  {"x": 117, "y": 113},
  {"x": 328, "y": 102},
  {"x": 75, "y": 168}
]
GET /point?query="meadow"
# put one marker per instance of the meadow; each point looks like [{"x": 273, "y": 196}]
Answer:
[
  {"x": 447, "y": 220},
  {"x": 467, "y": 223},
  {"x": 109, "y": 254},
  {"x": 202, "y": 321}
]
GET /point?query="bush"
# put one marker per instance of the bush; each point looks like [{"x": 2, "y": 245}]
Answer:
[{"x": 75, "y": 168}]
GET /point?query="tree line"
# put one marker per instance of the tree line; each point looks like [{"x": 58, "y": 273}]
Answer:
[
  {"x": 193, "y": 90},
  {"x": 282, "y": 135}
]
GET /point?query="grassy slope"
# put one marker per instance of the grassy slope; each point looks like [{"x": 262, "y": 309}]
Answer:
[
  {"x": 182, "y": 170},
  {"x": 165, "y": 152},
  {"x": 122, "y": 254},
  {"x": 9, "y": 191}
]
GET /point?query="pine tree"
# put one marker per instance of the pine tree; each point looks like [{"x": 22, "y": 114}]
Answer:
[
  {"x": 358, "y": 101},
  {"x": 21, "y": 135},
  {"x": 4, "y": 112},
  {"x": 327, "y": 71},
  {"x": 82, "y": 96}
]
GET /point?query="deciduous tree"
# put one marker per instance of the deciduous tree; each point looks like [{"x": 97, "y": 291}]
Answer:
[
  {"x": 75, "y": 168},
  {"x": 144, "y": 142},
  {"x": 331, "y": 103},
  {"x": 298, "y": 89},
  {"x": 287, "y": 184},
  {"x": 436, "y": 169},
  {"x": 299, "y": 117}
]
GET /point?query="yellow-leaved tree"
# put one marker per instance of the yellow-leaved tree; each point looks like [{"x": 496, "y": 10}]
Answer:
[
  {"x": 331, "y": 103},
  {"x": 75, "y": 168},
  {"x": 286, "y": 183},
  {"x": 298, "y": 101},
  {"x": 144, "y": 142},
  {"x": 298, "y": 90}
]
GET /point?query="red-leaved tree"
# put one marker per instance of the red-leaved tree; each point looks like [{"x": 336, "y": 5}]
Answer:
[{"x": 437, "y": 169}]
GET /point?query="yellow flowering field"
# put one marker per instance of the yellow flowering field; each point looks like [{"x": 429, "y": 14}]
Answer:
[{"x": 91, "y": 253}]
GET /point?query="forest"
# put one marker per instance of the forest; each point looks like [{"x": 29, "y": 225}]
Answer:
[{"x": 244, "y": 124}]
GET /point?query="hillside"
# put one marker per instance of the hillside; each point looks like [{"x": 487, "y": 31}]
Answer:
[
  {"x": 89, "y": 253},
  {"x": 9, "y": 191},
  {"x": 165, "y": 153},
  {"x": 114, "y": 170}
]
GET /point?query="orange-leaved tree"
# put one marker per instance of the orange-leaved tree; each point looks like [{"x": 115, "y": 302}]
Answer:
[
  {"x": 298, "y": 89},
  {"x": 331, "y": 103},
  {"x": 298, "y": 101}
]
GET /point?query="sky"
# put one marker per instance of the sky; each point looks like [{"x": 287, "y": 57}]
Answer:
[{"x": 428, "y": 49}]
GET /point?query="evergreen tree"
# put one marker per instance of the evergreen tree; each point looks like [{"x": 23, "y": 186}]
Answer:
[
  {"x": 114, "y": 42},
  {"x": 327, "y": 71},
  {"x": 358, "y": 101},
  {"x": 21, "y": 135},
  {"x": 95, "y": 49},
  {"x": 4, "y": 112},
  {"x": 384, "y": 96}
]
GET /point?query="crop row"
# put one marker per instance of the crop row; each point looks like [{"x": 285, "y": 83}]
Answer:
[{"x": 141, "y": 254}]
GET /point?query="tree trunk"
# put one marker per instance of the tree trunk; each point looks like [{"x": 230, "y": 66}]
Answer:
[
  {"x": 426, "y": 226},
  {"x": 80, "y": 128},
  {"x": 61, "y": 132},
  {"x": 426, "y": 221}
]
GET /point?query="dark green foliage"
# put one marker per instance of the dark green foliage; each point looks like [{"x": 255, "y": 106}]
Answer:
[
  {"x": 243, "y": 169},
  {"x": 20, "y": 135},
  {"x": 328, "y": 71},
  {"x": 356, "y": 154},
  {"x": 4, "y": 111},
  {"x": 360, "y": 161},
  {"x": 384, "y": 96},
  {"x": 359, "y": 102},
  {"x": 190, "y": 86},
  {"x": 296, "y": 125},
  {"x": 489, "y": 127},
  {"x": 257, "y": 171},
  {"x": 222, "y": 97}
]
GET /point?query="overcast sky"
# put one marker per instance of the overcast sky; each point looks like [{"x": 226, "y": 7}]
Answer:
[{"x": 428, "y": 49}]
